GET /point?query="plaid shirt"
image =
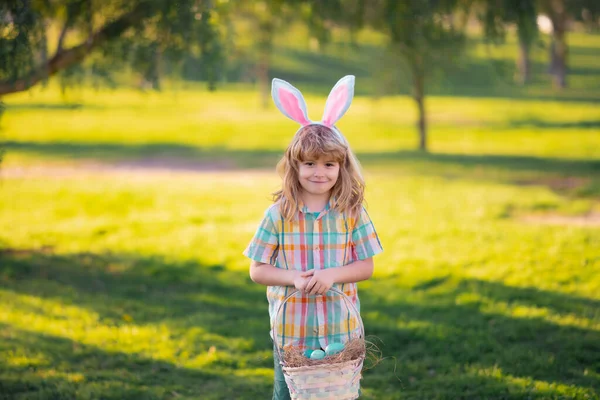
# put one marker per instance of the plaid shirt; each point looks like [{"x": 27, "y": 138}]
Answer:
[{"x": 313, "y": 240}]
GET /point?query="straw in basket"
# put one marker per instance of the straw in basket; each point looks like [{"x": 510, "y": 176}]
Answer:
[{"x": 334, "y": 381}]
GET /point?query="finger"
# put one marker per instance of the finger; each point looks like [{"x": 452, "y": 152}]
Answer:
[
  {"x": 302, "y": 286},
  {"x": 321, "y": 289},
  {"x": 316, "y": 288},
  {"x": 307, "y": 273},
  {"x": 310, "y": 284}
]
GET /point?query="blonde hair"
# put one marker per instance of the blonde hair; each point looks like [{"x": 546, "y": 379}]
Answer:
[{"x": 312, "y": 142}]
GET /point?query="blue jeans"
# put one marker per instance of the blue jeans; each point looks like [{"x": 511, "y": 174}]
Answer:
[{"x": 280, "y": 388}]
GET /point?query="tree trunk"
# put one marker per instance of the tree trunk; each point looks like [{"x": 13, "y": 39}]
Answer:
[
  {"x": 559, "y": 60},
  {"x": 523, "y": 64},
  {"x": 262, "y": 75},
  {"x": 558, "y": 47},
  {"x": 265, "y": 47},
  {"x": 419, "y": 96},
  {"x": 422, "y": 124},
  {"x": 156, "y": 73}
]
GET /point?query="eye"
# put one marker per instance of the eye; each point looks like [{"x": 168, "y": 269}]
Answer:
[
  {"x": 309, "y": 163},
  {"x": 330, "y": 164}
]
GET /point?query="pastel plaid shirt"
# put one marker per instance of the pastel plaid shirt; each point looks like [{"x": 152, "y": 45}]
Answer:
[{"x": 313, "y": 240}]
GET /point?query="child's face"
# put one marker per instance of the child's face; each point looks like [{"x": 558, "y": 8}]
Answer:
[{"x": 318, "y": 176}]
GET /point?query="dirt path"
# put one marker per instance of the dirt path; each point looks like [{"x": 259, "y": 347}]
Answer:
[
  {"x": 146, "y": 167},
  {"x": 592, "y": 219}
]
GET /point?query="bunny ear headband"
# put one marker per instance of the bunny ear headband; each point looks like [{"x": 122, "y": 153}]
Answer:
[{"x": 291, "y": 103}]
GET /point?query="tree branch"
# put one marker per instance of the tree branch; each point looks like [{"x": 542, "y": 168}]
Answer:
[
  {"x": 61, "y": 38},
  {"x": 65, "y": 58}
]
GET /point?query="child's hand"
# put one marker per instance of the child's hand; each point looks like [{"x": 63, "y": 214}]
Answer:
[
  {"x": 320, "y": 283},
  {"x": 302, "y": 279}
]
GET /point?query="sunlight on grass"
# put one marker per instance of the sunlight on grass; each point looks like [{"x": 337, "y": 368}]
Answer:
[
  {"x": 515, "y": 309},
  {"x": 155, "y": 341},
  {"x": 51, "y": 373},
  {"x": 530, "y": 384},
  {"x": 16, "y": 359}
]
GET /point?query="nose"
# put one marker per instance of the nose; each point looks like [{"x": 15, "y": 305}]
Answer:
[{"x": 319, "y": 172}]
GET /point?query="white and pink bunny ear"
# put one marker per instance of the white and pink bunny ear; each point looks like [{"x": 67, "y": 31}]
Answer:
[
  {"x": 290, "y": 101},
  {"x": 339, "y": 100}
]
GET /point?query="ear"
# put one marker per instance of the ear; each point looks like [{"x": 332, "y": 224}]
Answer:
[
  {"x": 289, "y": 100},
  {"x": 339, "y": 100}
]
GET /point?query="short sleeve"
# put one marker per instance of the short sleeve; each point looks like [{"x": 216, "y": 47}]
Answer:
[
  {"x": 364, "y": 237},
  {"x": 265, "y": 243}
]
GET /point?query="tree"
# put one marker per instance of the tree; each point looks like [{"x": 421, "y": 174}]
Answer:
[
  {"x": 523, "y": 14},
  {"x": 426, "y": 35},
  {"x": 136, "y": 33},
  {"x": 269, "y": 18},
  {"x": 498, "y": 14},
  {"x": 557, "y": 12},
  {"x": 265, "y": 17},
  {"x": 561, "y": 13}
]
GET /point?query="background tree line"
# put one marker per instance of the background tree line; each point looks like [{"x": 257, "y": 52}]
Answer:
[{"x": 194, "y": 39}]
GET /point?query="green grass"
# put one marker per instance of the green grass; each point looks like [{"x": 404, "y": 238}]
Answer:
[
  {"x": 123, "y": 217},
  {"x": 131, "y": 285}
]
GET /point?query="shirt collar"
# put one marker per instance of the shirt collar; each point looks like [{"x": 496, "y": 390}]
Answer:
[{"x": 304, "y": 209}]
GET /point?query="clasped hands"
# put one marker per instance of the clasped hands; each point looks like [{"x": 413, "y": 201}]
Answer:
[{"x": 314, "y": 281}]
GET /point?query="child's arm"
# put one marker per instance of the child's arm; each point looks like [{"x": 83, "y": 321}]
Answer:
[
  {"x": 269, "y": 275},
  {"x": 322, "y": 280}
]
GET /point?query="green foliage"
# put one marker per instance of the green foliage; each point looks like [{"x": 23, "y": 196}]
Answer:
[
  {"x": 149, "y": 36},
  {"x": 22, "y": 38},
  {"x": 498, "y": 15},
  {"x": 423, "y": 30},
  {"x": 584, "y": 10}
]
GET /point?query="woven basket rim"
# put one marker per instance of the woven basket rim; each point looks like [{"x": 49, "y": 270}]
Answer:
[{"x": 338, "y": 365}]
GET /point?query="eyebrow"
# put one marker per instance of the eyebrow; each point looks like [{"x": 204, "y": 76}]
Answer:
[{"x": 316, "y": 159}]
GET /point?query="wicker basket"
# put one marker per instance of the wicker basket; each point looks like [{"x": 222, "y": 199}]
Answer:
[{"x": 339, "y": 381}]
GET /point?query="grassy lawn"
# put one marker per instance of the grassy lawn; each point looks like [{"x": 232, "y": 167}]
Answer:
[
  {"x": 131, "y": 285},
  {"x": 123, "y": 216}
]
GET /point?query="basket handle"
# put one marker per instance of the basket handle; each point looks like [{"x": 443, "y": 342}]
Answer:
[{"x": 335, "y": 290}]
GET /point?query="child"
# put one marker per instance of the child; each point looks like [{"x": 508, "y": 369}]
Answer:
[{"x": 317, "y": 233}]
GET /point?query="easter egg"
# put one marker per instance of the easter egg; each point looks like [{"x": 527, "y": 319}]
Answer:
[
  {"x": 317, "y": 355},
  {"x": 307, "y": 353},
  {"x": 334, "y": 348}
]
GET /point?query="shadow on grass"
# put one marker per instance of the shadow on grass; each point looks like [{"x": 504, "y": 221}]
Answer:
[
  {"x": 61, "y": 368},
  {"x": 448, "y": 344},
  {"x": 156, "y": 155},
  {"x": 51, "y": 106},
  {"x": 189, "y": 157},
  {"x": 214, "y": 318},
  {"x": 538, "y": 123},
  {"x": 510, "y": 163},
  {"x": 445, "y": 328},
  {"x": 320, "y": 71},
  {"x": 143, "y": 289}
]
